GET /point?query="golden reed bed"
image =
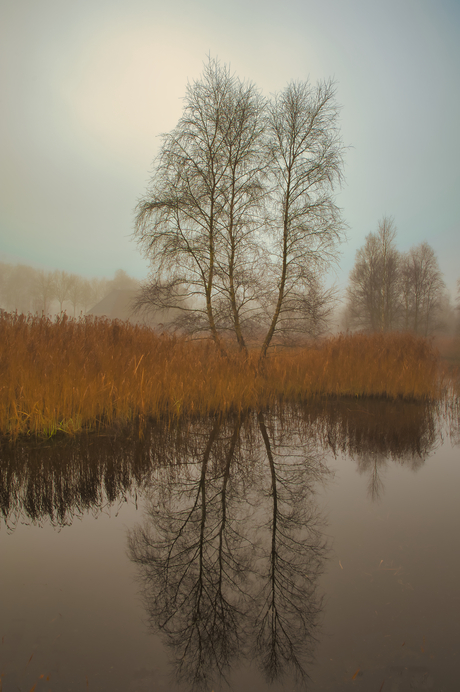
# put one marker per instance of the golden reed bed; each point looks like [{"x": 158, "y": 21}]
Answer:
[{"x": 74, "y": 375}]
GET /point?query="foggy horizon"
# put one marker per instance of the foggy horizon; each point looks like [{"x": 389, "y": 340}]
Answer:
[{"x": 89, "y": 89}]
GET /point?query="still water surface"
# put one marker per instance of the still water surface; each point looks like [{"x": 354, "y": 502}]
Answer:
[{"x": 312, "y": 548}]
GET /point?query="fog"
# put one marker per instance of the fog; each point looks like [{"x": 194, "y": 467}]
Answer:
[{"x": 88, "y": 89}]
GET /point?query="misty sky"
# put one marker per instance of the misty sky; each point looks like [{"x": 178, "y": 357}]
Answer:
[{"x": 88, "y": 86}]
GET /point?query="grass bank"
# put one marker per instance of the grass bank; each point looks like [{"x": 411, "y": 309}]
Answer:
[{"x": 72, "y": 375}]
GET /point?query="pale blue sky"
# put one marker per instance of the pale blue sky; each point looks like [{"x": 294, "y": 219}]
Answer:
[{"x": 88, "y": 86}]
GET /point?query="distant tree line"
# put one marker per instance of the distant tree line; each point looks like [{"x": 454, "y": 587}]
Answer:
[
  {"x": 392, "y": 290},
  {"x": 29, "y": 290},
  {"x": 388, "y": 290}
]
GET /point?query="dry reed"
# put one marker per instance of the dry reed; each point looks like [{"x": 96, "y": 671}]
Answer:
[{"x": 72, "y": 375}]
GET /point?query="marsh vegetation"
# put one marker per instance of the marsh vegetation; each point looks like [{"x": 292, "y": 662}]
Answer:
[{"x": 73, "y": 375}]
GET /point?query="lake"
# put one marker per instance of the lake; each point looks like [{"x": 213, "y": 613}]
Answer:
[{"x": 299, "y": 548}]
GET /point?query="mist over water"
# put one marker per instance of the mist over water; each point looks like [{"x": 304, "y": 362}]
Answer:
[{"x": 300, "y": 548}]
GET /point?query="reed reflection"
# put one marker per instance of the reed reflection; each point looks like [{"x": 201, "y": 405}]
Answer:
[
  {"x": 452, "y": 415},
  {"x": 377, "y": 433},
  {"x": 58, "y": 480},
  {"x": 230, "y": 555}
]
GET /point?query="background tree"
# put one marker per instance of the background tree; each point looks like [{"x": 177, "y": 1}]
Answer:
[
  {"x": 26, "y": 289},
  {"x": 86, "y": 297},
  {"x": 99, "y": 289},
  {"x": 76, "y": 292},
  {"x": 239, "y": 217},
  {"x": 422, "y": 289},
  {"x": 17, "y": 287},
  {"x": 374, "y": 286},
  {"x": 457, "y": 306},
  {"x": 389, "y": 290},
  {"x": 62, "y": 287},
  {"x": 120, "y": 282},
  {"x": 44, "y": 291},
  {"x": 4, "y": 273}
]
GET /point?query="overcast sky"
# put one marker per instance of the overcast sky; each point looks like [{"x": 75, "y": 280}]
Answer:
[{"x": 87, "y": 87}]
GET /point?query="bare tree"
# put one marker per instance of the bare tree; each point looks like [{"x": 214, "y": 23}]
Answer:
[
  {"x": 26, "y": 289},
  {"x": 423, "y": 289},
  {"x": 457, "y": 306},
  {"x": 85, "y": 292},
  {"x": 389, "y": 290},
  {"x": 306, "y": 165},
  {"x": 374, "y": 287},
  {"x": 62, "y": 286},
  {"x": 99, "y": 289},
  {"x": 122, "y": 281},
  {"x": 307, "y": 313},
  {"x": 5, "y": 270},
  {"x": 86, "y": 297},
  {"x": 195, "y": 222},
  {"x": 44, "y": 290},
  {"x": 240, "y": 216},
  {"x": 76, "y": 292}
]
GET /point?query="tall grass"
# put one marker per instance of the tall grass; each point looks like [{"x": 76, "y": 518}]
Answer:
[
  {"x": 449, "y": 349},
  {"x": 391, "y": 365},
  {"x": 72, "y": 375}
]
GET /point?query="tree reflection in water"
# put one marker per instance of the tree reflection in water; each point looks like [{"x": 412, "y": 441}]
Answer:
[
  {"x": 287, "y": 603},
  {"x": 188, "y": 556},
  {"x": 232, "y": 546},
  {"x": 58, "y": 480},
  {"x": 230, "y": 556}
]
